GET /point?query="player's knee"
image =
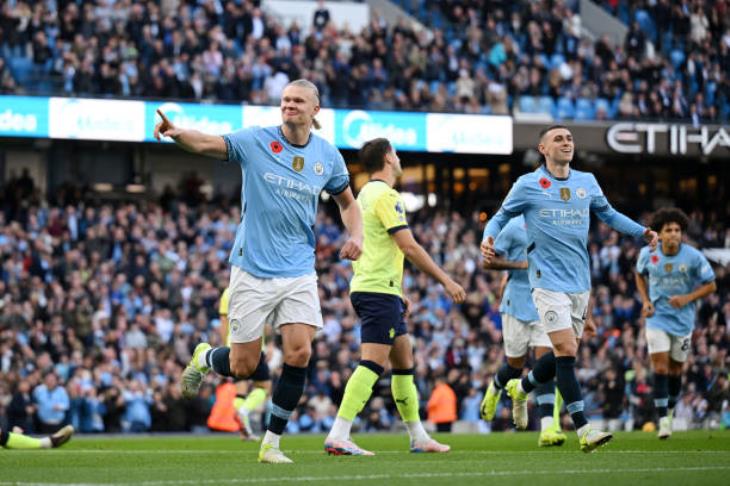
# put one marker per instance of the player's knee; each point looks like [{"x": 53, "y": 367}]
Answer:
[
  {"x": 516, "y": 362},
  {"x": 298, "y": 355},
  {"x": 567, "y": 348},
  {"x": 243, "y": 368}
]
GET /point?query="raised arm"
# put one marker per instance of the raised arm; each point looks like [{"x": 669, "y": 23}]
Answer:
[
  {"x": 618, "y": 221},
  {"x": 191, "y": 141}
]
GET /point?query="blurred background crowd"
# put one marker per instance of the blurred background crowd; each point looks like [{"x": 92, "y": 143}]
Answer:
[
  {"x": 101, "y": 305},
  {"x": 473, "y": 56}
]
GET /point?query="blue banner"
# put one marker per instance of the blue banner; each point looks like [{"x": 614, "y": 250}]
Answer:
[
  {"x": 23, "y": 116},
  {"x": 134, "y": 121},
  {"x": 406, "y": 131}
]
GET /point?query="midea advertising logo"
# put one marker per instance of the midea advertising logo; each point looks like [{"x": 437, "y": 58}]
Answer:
[
  {"x": 192, "y": 116},
  {"x": 359, "y": 127}
]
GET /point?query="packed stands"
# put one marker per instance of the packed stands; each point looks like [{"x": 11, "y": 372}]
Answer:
[
  {"x": 477, "y": 56},
  {"x": 108, "y": 299}
]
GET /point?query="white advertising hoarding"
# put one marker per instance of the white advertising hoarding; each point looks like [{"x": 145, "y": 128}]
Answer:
[
  {"x": 471, "y": 134},
  {"x": 89, "y": 119}
]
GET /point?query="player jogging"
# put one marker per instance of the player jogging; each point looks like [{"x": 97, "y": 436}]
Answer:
[
  {"x": 17, "y": 440},
  {"x": 670, "y": 279},
  {"x": 284, "y": 168},
  {"x": 556, "y": 202},
  {"x": 377, "y": 296},
  {"x": 521, "y": 330},
  {"x": 247, "y": 399}
]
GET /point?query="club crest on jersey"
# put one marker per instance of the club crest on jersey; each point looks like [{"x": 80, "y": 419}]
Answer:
[
  {"x": 565, "y": 193},
  {"x": 276, "y": 146},
  {"x": 318, "y": 168},
  {"x": 668, "y": 267},
  {"x": 297, "y": 163},
  {"x": 581, "y": 193}
]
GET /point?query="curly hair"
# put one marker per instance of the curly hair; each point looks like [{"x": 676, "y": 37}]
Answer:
[{"x": 669, "y": 215}]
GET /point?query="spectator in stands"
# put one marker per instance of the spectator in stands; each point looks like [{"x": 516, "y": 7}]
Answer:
[{"x": 53, "y": 403}]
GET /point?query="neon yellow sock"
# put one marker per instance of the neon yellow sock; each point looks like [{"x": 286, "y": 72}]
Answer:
[
  {"x": 357, "y": 392},
  {"x": 253, "y": 400},
  {"x": 20, "y": 441},
  {"x": 557, "y": 406},
  {"x": 238, "y": 403},
  {"x": 405, "y": 395}
]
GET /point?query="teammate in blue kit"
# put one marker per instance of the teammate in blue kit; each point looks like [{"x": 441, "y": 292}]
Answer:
[
  {"x": 284, "y": 168},
  {"x": 521, "y": 330},
  {"x": 670, "y": 280},
  {"x": 556, "y": 202}
]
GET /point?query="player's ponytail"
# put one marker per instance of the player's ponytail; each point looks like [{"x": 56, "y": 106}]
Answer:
[{"x": 303, "y": 83}]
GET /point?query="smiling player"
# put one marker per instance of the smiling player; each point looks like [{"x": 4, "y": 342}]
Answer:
[
  {"x": 670, "y": 279},
  {"x": 284, "y": 168}
]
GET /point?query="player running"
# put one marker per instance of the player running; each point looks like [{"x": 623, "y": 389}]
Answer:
[
  {"x": 284, "y": 168},
  {"x": 670, "y": 279},
  {"x": 521, "y": 330},
  {"x": 247, "y": 399},
  {"x": 377, "y": 296},
  {"x": 17, "y": 440},
  {"x": 556, "y": 202}
]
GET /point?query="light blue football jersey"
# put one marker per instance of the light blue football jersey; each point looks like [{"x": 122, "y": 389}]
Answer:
[
  {"x": 280, "y": 190},
  {"x": 511, "y": 244},
  {"x": 557, "y": 214},
  {"x": 670, "y": 275}
]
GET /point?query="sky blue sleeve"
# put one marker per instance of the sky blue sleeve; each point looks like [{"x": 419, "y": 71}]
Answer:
[
  {"x": 616, "y": 220},
  {"x": 503, "y": 243},
  {"x": 704, "y": 270},
  {"x": 642, "y": 261},
  {"x": 514, "y": 204},
  {"x": 340, "y": 179},
  {"x": 237, "y": 145}
]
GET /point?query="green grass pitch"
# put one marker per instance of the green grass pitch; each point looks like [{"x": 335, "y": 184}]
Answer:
[{"x": 699, "y": 457}]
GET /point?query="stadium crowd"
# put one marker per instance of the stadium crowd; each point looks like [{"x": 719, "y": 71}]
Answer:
[
  {"x": 100, "y": 305},
  {"x": 478, "y": 56}
]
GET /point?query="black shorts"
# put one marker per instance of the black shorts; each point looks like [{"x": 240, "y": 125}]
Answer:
[
  {"x": 381, "y": 316},
  {"x": 261, "y": 373}
]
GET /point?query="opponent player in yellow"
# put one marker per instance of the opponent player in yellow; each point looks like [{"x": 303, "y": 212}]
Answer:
[
  {"x": 377, "y": 296},
  {"x": 18, "y": 440}
]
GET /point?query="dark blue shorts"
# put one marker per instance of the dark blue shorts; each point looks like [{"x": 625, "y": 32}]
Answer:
[{"x": 381, "y": 316}]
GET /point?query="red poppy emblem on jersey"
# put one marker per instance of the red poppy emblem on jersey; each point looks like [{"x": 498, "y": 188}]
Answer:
[
  {"x": 654, "y": 259},
  {"x": 276, "y": 147},
  {"x": 545, "y": 183}
]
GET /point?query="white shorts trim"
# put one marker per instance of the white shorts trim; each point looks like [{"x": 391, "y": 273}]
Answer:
[
  {"x": 560, "y": 310},
  {"x": 277, "y": 301},
  {"x": 521, "y": 335},
  {"x": 660, "y": 341}
]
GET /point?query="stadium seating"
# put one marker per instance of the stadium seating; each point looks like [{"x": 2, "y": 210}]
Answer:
[
  {"x": 175, "y": 59},
  {"x": 116, "y": 314}
]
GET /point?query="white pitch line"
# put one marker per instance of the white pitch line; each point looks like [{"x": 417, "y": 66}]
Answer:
[
  {"x": 371, "y": 477},
  {"x": 321, "y": 452}
]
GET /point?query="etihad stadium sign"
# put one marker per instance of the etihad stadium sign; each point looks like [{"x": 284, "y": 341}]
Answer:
[{"x": 666, "y": 138}]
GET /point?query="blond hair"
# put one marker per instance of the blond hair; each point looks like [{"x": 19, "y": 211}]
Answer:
[{"x": 303, "y": 83}]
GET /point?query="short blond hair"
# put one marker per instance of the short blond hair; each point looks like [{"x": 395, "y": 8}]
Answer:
[{"x": 304, "y": 83}]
